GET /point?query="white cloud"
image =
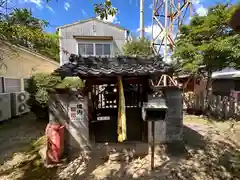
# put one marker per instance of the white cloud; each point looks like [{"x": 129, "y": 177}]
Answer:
[
  {"x": 111, "y": 19},
  {"x": 202, "y": 11},
  {"x": 50, "y": 8},
  {"x": 150, "y": 6},
  {"x": 84, "y": 12},
  {"x": 38, "y": 3},
  {"x": 66, "y": 6},
  {"x": 196, "y": 1},
  {"x": 157, "y": 33}
]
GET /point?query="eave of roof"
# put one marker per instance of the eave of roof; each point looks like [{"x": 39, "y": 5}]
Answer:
[
  {"x": 91, "y": 19},
  {"x": 86, "y": 67},
  {"x": 93, "y": 37},
  {"x": 227, "y": 76}
]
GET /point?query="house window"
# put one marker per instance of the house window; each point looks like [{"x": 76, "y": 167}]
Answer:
[
  {"x": 85, "y": 49},
  {"x": 99, "y": 49},
  {"x": 94, "y": 49},
  {"x": 102, "y": 49}
]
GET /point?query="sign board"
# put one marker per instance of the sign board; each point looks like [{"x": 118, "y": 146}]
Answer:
[{"x": 75, "y": 112}]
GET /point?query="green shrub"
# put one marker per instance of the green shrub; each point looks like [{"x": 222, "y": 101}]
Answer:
[
  {"x": 38, "y": 86},
  {"x": 140, "y": 47},
  {"x": 71, "y": 82}
]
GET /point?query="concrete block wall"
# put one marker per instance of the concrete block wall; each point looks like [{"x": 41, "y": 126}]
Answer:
[
  {"x": 77, "y": 132},
  {"x": 171, "y": 128}
]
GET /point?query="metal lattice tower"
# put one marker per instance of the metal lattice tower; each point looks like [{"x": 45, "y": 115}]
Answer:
[{"x": 167, "y": 16}]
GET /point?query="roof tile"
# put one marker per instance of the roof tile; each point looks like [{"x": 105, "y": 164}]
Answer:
[{"x": 121, "y": 65}]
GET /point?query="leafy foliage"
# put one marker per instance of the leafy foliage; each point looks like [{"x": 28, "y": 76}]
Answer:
[
  {"x": 20, "y": 28},
  {"x": 71, "y": 82},
  {"x": 46, "y": 44},
  {"x": 208, "y": 41},
  {"x": 25, "y": 18},
  {"x": 140, "y": 47},
  {"x": 104, "y": 9},
  {"x": 38, "y": 86}
]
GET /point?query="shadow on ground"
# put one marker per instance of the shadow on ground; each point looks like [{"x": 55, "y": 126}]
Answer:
[
  {"x": 193, "y": 139},
  {"x": 198, "y": 158},
  {"x": 17, "y": 134},
  {"x": 29, "y": 169}
]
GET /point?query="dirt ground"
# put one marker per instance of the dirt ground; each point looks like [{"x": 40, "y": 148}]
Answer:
[{"x": 212, "y": 153}]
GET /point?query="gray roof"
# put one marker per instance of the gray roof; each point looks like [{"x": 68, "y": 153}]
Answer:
[
  {"x": 85, "y": 67},
  {"x": 91, "y": 19},
  {"x": 226, "y": 73}
]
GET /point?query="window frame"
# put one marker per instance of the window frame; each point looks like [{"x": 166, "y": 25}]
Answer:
[
  {"x": 94, "y": 47},
  {"x": 85, "y": 44},
  {"x": 103, "y": 49}
]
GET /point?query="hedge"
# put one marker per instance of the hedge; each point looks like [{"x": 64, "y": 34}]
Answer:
[{"x": 38, "y": 86}]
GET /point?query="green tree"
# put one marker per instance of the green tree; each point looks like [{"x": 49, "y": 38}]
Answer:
[
  {"x": 138, "y": 47},
  {"x": 44, "y": 43},
  {"x": 101, "y": 9},
  {"x": 25, "y": 18},
  {"x": 208, "y": 41},
  {"x": 20, "y": 28},
  {"x": 104, "y": 9}
]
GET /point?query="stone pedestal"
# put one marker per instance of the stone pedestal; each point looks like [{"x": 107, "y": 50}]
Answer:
[
  {"x": 76, "y": 130},
  {"x": 170, "y": 129}
]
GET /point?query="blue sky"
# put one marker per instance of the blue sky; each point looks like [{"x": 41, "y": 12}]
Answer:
[{"x": 62, "y": 12}]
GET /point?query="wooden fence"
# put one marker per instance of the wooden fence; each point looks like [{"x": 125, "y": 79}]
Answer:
[{"x": 222, "y": 107}]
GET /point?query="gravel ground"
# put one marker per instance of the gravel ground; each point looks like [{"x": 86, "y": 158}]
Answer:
[
  {"x": 16, "y": 137},
  {"x": 212, "y": 154},
  {"x": 17, "y": 134}
]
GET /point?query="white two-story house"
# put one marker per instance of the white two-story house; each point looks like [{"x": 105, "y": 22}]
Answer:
[{"x": 91, "y": 37}]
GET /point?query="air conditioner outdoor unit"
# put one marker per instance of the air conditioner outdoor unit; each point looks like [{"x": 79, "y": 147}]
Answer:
[
  {"x": 5, "y": 106},
  {"x": 19, "y": 103}
]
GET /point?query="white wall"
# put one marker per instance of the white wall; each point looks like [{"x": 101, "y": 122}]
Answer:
[{"x": 89, "y": 28}]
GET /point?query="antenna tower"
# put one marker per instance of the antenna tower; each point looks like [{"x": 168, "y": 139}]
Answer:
[{"x": 167, "y": 17}]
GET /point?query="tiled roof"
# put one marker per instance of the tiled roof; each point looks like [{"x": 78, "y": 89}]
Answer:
[{"x": 121, "y": 65}]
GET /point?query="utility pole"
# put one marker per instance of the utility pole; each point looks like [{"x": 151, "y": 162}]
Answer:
[
  {"x": 141, "y": 19},
  {"x": 166, "y": 31}
]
